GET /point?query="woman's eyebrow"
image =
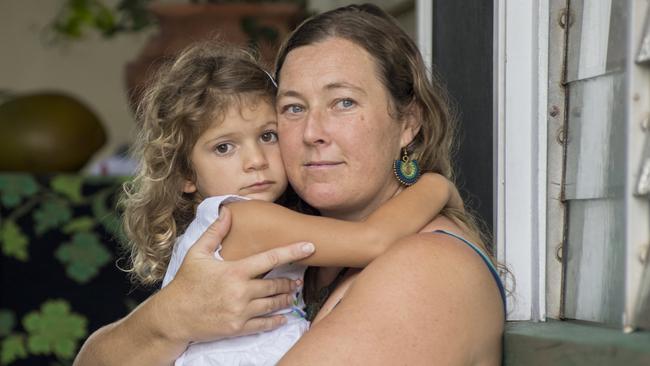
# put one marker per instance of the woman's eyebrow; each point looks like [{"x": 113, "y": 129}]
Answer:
[
  {"x": 344, "y": 85},
  {"x": 288, "y": 93},
  {"x": 330, "y": 86}
]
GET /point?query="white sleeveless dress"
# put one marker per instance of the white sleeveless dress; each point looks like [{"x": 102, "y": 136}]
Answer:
[{"x": 265, "y": 348}]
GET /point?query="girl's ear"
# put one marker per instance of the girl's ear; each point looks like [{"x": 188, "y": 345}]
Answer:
[
  {"x": 411, "y": 125},
  {"x": 189, "y": 186}
]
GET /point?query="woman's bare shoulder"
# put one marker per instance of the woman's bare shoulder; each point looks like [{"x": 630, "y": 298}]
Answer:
[
  {"x": 442, "y": 264},
  {"x": 428, "y": 299}
]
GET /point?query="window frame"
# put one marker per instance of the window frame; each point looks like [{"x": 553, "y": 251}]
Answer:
[
  {"x": 521, "y": 59},
  {"x": 529, "y": 122}
]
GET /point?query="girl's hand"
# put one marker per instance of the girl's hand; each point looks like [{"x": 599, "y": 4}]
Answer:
[
  {"x": 210, "y": 299},
  {"x": 455, "y": 201}
]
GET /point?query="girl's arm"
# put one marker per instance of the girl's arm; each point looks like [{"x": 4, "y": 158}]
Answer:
[{"x": 259, "y": 225}]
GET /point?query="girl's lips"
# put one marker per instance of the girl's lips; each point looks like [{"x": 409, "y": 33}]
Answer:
[{"x": 260, "y": 186}]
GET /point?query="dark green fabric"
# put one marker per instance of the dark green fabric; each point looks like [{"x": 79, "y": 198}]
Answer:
[{"x": 59, "y": 241}]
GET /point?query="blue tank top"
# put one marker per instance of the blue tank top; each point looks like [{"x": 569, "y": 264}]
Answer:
[{"x": 487, "y": 261}]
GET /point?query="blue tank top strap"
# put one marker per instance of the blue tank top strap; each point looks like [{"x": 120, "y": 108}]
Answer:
[{"x": 487, "y": 261}]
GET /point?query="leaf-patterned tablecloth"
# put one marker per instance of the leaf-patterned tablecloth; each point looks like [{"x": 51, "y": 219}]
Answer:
[{"x": 59, "y": 258}]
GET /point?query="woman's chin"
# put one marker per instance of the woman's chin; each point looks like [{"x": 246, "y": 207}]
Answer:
[{"x": 324, "y": 197}]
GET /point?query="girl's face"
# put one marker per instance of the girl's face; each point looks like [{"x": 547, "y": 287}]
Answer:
[{"x": 240, "y": 155}]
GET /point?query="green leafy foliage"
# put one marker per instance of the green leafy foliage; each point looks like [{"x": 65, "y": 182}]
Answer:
[
  {"x": 54, "y": 330},
  {"x": 13, "y": 348},
  {"x": 51, "y": 214},
  {"x": 14, "y": 242},
  {"x": 69, "y": 186},
  {"x": 7, "y": 322},
  {"x": 106, "y": 216},
  {"x": 79, "y": 16},
  {"x": 83, "y": 223},
  {"x": 113, "y": 225},
  {"x": 14, "y": 187},
  {"x": 83, "y": 257},
  {"x": 45, "y": 207}
]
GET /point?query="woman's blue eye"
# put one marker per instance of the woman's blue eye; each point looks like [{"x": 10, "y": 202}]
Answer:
[
  {"x": 294, "y": 108},
  {"x": 346, "y": 103},
  {"x": 269, "y": 136}
]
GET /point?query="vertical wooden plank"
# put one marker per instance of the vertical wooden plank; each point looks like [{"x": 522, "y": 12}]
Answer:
[
  {"x": 556, "y": 130},
  {"x": 637, "y": 208}
]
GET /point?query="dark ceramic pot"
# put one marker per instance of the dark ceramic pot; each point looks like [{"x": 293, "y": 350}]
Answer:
[
  {"x": 47, "y": 132},
  {"x": 182, "y": 24}
]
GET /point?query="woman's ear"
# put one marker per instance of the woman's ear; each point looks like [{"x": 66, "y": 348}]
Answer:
[
  {"x": 411, "y": 125},
  {"x": 189, "y": 186}
]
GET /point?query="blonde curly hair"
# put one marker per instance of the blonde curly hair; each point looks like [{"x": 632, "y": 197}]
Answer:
[{"x": 187, "y": 95}]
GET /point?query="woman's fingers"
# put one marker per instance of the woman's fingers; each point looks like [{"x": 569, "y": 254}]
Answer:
[
  {"x": 263, "y": 324},
  {"x": 267, "y": 305},
  {"x": 263, "y": 262},
  {"x": 213, "y": 236},
  {"x": 225, "y": 299},
  {"x": 270, "y": 287}
]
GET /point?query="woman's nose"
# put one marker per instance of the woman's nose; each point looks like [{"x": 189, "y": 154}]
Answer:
[
  {"x": 255, "y": 159},
  {"x": 315, "y": 132}
]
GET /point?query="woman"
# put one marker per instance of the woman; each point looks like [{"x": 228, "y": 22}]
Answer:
[
  {"x": 339, "y": 162},
  {"x": 353, "y": 97}
]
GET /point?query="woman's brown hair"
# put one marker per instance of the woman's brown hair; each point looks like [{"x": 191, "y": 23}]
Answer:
[{"x": 402, "y": 71}]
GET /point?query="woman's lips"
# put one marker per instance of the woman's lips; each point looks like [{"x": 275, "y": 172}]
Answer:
[{"x": 322, "y": 164}]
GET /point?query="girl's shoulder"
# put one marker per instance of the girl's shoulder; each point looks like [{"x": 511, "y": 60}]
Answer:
[
  {"x": 208, "y": 210},
  {"x": 213, "y": 202}
]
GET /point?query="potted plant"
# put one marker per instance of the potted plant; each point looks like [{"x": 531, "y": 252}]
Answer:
[{"x": 259, "y": 24}]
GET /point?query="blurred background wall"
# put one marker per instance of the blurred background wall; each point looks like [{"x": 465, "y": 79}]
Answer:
[{"x": 92, "y": 69}]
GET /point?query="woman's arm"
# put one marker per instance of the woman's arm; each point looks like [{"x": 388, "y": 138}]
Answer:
[
  {"x": 209, "y": 299},
  {"x": 259, "y": 225},
  {"x": 429, "y": 300}
]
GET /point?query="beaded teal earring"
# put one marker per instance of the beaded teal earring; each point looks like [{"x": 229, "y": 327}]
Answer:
[{"x": 406, "y": 171}]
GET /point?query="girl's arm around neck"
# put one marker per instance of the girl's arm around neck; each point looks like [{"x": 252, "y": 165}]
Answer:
[{"x": 259, "y": 225}]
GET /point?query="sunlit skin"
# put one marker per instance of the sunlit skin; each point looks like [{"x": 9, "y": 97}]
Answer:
[
  {"x": 337, "y": 136},
  {"x": 240, "y": 155}
]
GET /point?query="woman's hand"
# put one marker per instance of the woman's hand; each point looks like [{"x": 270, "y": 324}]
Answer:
[
  {"x": 215, "y": 299},
  {"x": 208, "y": 300}
]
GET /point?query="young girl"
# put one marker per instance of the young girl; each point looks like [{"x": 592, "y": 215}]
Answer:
[{"x": 208, "y": 138}]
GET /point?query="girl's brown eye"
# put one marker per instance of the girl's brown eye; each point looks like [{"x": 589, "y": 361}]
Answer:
[
  {"x": 269, "y": 136},
  {"x": 222, "y": 148}
]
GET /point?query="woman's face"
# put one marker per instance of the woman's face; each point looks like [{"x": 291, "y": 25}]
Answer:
[{"x": 337, "y": 138}]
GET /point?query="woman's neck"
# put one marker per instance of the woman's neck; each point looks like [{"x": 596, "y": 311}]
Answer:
[{"x": 362, "y": 212}]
